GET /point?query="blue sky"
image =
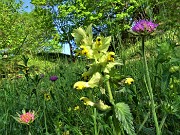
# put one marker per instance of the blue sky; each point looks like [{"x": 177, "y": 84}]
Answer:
[{"x": 27, "y": 6}]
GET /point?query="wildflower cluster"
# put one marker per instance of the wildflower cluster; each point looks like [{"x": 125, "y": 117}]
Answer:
[
  {"x": 144, "y": 27},
  {"x": 98, "y": 51},
  {"x": 99, "y": 74},
  {"x": 103, "y": 61}
]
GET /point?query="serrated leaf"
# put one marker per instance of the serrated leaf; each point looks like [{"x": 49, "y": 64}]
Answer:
[
  {"x": 105, "y": 44},
  {"x": 89, "y": 31},
  {"x": 79, "y": 34},
  {"x": 110, "y": 65},
  {"x": 123, "y": 114},
  {"x": 83, "y": 37}
]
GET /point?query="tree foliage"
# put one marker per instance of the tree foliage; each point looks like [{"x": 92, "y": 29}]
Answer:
[
  {"x": 24, "y": 32},
  {"x": 108, "y": 17}
]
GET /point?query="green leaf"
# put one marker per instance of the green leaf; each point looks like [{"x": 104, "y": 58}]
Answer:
[
  {"x": 105, "y": 44},
  {"x": 83, "y": 37},
  {"x": 79, "y": 34},
  {"x": 110, "y": 65},
  {"x": 123, "y": 114},
  {"x": 93, "y": 69},
  {"x": 89, "y": 31},
  {"x": 95, "y": 80}
]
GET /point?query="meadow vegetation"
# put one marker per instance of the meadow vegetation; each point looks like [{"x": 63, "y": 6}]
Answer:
[{"x": 122, "y": 76}]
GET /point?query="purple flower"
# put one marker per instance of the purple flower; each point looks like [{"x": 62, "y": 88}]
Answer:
[
  {"x": 144, "y": 26},
  {"x": 53, "y": 78}
]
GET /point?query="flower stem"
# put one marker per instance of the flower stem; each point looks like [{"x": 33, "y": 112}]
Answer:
[
  {"x": 150, "y": 91},
  {"x": 95, "y": 123},
  {"x": 163, "y": 121},
  {"x": 109, "y": 92},
  {"x": 45, "y": 117},
  {"x": 111, "y": 99},
  {"x": 28, "y": 130}
]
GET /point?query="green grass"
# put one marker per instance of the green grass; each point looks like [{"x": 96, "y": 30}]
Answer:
[{"x": 57, "y": 115}]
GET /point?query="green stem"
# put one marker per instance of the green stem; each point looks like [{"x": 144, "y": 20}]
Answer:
[
  {"x": 111, "y": 99},
  {"x": 147, "y": 76},
  {"x": 109, "y": 93},
  {"x": 45, "y": 122},
  {"x": 163, "y": 121},
  {"x": 6, "y": 110},
  {"x": 95, "y": 123},
  {"x": 94, "y": 116},
  {"x": 28, "y": 130},
  {"x": 145, "y": 119}
]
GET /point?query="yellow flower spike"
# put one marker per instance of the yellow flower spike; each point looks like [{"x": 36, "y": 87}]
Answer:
[
  {"x": 98, "y": 41},
  {"x": 87, "y": 101},
  {"x": 81, "y": 85},
  {"x": 129, "y": 81},
  {"x": 110, "y": 57}
]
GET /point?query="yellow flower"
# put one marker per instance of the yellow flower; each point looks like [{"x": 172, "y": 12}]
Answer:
[
  {"x": 87, "y": 101},
  {"x": 84, "y": 50},
  {"x": 47, "y": 96},
  {"x": 110, "y": 57},
  {"x": 98, "y": 41},
  {"x": 76, "y": 108},
  {"x": 81, "y": 85},
  {"x": 129, "y": 81}
]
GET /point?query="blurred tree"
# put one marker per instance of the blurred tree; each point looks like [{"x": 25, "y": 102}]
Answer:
[
  {"x": 109, "y": 17},
  {"x": 23, "y": 32}
]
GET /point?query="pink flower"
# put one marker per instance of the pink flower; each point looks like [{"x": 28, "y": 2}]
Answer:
[{"x": 25, "y": 117}]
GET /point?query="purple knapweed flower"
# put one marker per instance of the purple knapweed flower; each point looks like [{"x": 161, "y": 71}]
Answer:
[
  {"x": 142, "y": 26},
  {"x": 53, "y": 78}
]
